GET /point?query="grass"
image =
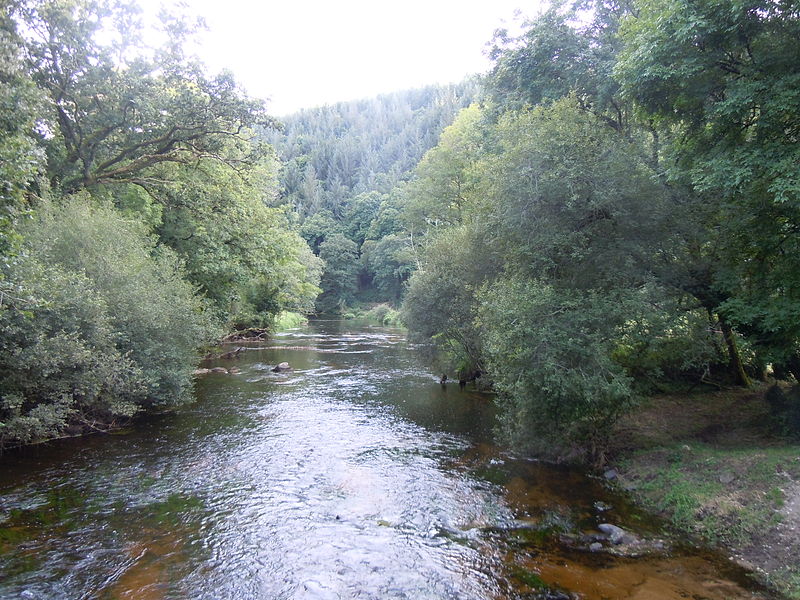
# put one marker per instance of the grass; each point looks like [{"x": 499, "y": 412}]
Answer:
[
  {"x": 690, "y": 485},
  {"x": 289, "y": 320},
  {"x": 713, "y": 466}
]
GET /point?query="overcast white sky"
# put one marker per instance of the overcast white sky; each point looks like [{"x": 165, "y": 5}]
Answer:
[{"x": 304, "y": 53}]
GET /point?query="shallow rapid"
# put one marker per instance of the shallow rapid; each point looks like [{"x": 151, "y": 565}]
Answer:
[{"x": 355, "y": 475}]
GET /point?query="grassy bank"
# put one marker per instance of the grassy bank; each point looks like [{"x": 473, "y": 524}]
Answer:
[
  {"x": 381, "y": 314},
  {"x": 713, "y": 465}
]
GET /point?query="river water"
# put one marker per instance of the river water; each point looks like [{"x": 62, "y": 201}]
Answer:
[{"x": 355, "y": 475}]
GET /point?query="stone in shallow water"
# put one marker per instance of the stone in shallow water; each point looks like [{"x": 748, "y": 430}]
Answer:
[{"x": 616, "y": 535}]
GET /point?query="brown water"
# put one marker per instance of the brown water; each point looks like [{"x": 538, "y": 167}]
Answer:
[{"x": 356, "y": 475}]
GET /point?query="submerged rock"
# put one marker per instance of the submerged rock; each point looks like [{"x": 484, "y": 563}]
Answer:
[
  {"x": 201, "y": 371},
  {"x": 219, "y": 370},
  {"x": 284, "y": 366},
  {"x": 616, "y": 535}
]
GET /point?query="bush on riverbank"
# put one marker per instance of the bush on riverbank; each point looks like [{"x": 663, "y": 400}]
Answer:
[
  {"x": 97, "y": 324},
  {"x": 383, "y": 314}
]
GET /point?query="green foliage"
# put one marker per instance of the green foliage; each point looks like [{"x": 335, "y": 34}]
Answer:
[
  {"x": 118, "y": 110},
  {"x": 334, "y": 154},
  {"x": 242, "y": 254},
  {"x": 99, "y": 324},
  {"x": 288, "y": 320},
  {"x": 385, "y": 315},
  {"x": 339, "y": 278},
  {"x": 21, "y": 157},
  {"x": 390, "y": 261},
  {"x": 571, "y": 199},
  {"x": 20, "y": 102},
  {"x": 359, "y": 215},
  {"x": 446, "y": 179},
  {"x": 668, "y": 345},
  {"x": 724, "y": 76},
  {"x": 550, "y": 353},
  {"x": 439, "y": 307},
  {"x": 562, "y": 52},
  {"x": 159, "y": 193},
  {"x": 318, "y": 228},
  {"x": 344, "y": 171}
]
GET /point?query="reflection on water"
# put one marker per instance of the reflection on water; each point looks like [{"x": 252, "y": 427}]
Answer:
[{"x": 355, "y": 475}]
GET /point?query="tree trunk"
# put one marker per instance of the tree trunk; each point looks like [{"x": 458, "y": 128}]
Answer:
[{"x": 734, "y": 358}]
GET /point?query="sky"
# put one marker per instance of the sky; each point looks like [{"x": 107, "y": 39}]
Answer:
[{"x": 304, "y": 53}]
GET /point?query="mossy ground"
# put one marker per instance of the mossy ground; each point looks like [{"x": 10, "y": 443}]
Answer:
[{"x": 712, "y": 464}]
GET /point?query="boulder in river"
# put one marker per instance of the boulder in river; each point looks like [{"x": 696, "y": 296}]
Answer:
[
  {"x": 284, "y": 366},
  {"x": 201, "y": 371},
  {"x": 219, "y": 370},
  {"x": 616, "y": 535}
]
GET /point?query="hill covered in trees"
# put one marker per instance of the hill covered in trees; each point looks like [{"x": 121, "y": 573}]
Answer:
[{"x": 344, "y": 170}]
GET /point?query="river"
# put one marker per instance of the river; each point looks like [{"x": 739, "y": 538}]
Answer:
[{"x": 355, "y": 475}]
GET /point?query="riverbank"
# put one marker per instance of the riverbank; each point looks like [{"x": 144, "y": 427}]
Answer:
[{"x": 712, "y": 466}]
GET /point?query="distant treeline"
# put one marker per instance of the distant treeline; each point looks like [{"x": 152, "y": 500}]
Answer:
[{"x": 344, "y": 169}]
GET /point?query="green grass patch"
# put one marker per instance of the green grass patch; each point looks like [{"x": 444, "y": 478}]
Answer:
[
  {"x": 529, "y": 578},
  {"x": 288, "y": 320},
  {"x": 724, "y": 495}
]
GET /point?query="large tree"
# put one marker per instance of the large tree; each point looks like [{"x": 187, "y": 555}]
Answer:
[
  {"x": 724, "y": 77},
  {"x": 119, "y": 109}
]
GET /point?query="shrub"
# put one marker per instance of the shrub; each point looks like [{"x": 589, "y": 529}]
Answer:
[
  {"x": 98, "y": 324},
  {"x": 549, "y": 351}
]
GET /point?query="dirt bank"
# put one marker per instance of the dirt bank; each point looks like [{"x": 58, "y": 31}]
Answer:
[{"x": 713, "y": 465}]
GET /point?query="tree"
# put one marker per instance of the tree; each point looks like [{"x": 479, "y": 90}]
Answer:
[
  {"x": 446, "y": 179},
  {"x": 390, "y": 261},
  {"x": 338, "y": 282},
  {"x": 359, "y": 214},
  {"x": 100, "y": 324},
  {"x": 725, "y": 76},
  {"x": 119, "y": 111},
  {"x": 21, "y": 157},
  {"x": 561, "y": 53},
  {"x": 240, "y": 252},
  {"x": 550, "y": 351},
  {"x": 440, "y": 305}
]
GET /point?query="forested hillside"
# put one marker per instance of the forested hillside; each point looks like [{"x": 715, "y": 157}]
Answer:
[
  {"x": 135, "y": 224},
  {"x": 344, "y": 169}
]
